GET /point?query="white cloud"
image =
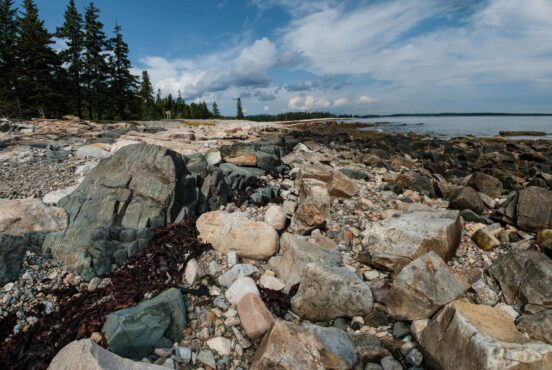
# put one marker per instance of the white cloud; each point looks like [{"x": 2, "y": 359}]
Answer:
[
  {"x": 266, "y": 108},
  {"x": 364, "y": 99},
  {"x": 340, "y": 102},
  {"x": 309, "y": 102},
  {"x": 294, "y": 102}
]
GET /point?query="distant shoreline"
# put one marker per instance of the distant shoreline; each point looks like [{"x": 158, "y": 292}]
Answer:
[{"x": 454, "y": 115}]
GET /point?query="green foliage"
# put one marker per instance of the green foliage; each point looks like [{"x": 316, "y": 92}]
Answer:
[
  {"x": 9, "y": 102},
  {"x": 147, "y": 104},
  {"x": 239, "y": 110},
  {"x": 216, "y": 111}
]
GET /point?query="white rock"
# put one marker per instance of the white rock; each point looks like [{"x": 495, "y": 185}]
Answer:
[
  {"x": 232, "y": 258},
  {"x": 239, "y": 288},
  {"x": 221, "y": 345},
  {"x": 96, "y": 150},
  {"x": 239, "y": 270},
  {"x": 275, "y": 217},
  {"x": 271, "y": 282},
  {"x": 371, "y": 275},
  {"x": 213, "y": 158},
  {"x": 54, "y": 197},
  {"x": 193, "y": 271},
  {"x": 119, "y": 144},
  {"x": 85, "y": 168}
]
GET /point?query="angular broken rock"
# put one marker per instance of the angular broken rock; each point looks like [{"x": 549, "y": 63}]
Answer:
[
  {"x": 341, "y": 186},
  {"x": 233, "y": 232},
  {"x": 328, "y": 292},
  {"x": 314, "y": 206},
  {"x": 288, "y": 346},
  {"x": 255, "y": 318},
  {"x": 158, "y": 322},
  {"x": 397, "y": 241},
  {"x": 466, "y": 198},
  {"x": 296, "y": 253},
  {"x": 314, "y": 171},
  {"x": 84, "y": 354},
  {"x": 30, "y": 215},
  {"x": 524, "y": 277},
  {"x": 538, "y": 325},
  {"x": 422, "y": 287},
  {"x": 486, "y": 184},
  {"x": 468, "y": 336},
  {"x": 485, "y": 240},
  {"x": 241, "y": 287}
]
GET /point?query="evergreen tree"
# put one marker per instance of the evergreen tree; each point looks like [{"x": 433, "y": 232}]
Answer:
[
  {"x": 72, "y": 33},
  {"x": 95, "y": 64},
  {"x": 9, "y": 103},
  {"x": 39, "y": 72},
  {"x": 216, "y": 112},
  {"x": 147, "y": 104},
  {"x": 123, "y": 83},
  {"x": 239, "y": 113}
]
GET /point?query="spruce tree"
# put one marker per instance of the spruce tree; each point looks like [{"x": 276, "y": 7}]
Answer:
[
  {"x": 239, "y": 113},
  {"x": 38, "y": 71},
  {"x": 216, "y": 112},
  {"x": 95, "y": 65},
  {"x": 71, "y": 32},
  {"x": 146, "y": 97},
  {"x": 123, "y": 83},
  {"x": 9, "y": 103}
]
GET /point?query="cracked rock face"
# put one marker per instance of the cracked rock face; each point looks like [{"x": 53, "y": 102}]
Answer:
[
  {"x": 397, "y": 241},
  {"x": 468, "y": 336}
]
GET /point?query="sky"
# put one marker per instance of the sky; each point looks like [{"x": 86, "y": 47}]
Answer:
[{"x": 357, "y": 57}]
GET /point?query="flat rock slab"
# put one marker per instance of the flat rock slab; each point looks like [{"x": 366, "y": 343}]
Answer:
[
  {"x": 156, "y": 323},
  {"x": 84, "y": 354},
  {"x": 464, "y": 336},
  {"x": 395, "y": 242},
  {"x": 326, "y": 293},
  {"x": 524, "y": 277},
  {"x": 422, "y": 287}
]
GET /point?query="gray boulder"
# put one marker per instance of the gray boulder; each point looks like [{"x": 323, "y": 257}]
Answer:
[
  {"x": 530, "y": 209},
  {"x": 139, "y": 187},
  {"x": 135, "y": 332},
  {"x": 239, "y": 178},
  {"x": 395, "y": 242},
  {"x": 486, "y": 184},
  {"x": 466, "y": 198},
  {"x": 524, "y": 277},
  {"x": 12, "y": 252},
  {"x": 328, "y": 292},
  {"x": 422, "y": 287}
]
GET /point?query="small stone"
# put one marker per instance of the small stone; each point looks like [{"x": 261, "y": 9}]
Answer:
[
  {"x": 232, "y": 258},
  {"x": 237, "y": 271},
  {"x": 255, "y": 318},
  {"x": 8, "y": 287},
  {"x": 162, "y": 352},
  {"x": 371, "y": 275},
  {"x": 184, "y": 354},
  {"x": 221, "y": 345},
  {"x": 94, "y": 283},
  {"x": 389, "y": 363},
  {"x": 414, "y": 357},
  {"x": 192, "y": 272},
  {"x": 275, "y": 217},
  {"x": 400, "y": 329},
  {"x": 271, "y": 282},
  {"x": 485, "y": 240},
  {"x": 96, "y": 337},
  {"x": 240, "y": 288}
]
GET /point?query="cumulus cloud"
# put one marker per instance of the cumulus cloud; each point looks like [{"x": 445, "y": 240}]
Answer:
[
  {"x": 309, "y": 102},
  {"x": 340, "y": 102},
  {"x": 364, "y": 99}
]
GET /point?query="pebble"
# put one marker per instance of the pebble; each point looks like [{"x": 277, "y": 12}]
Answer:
[{"x": 221, "y": 345}]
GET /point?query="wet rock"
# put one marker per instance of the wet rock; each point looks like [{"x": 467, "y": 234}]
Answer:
[
  {"x": 538, "y": 325},
  {"x": 479, "y": 337},
  {"x": 296, "y": 253},
  {"x": 422, "y": 287},
  {"x": 289, "y": 346},
  {"x": 486, "y": 184},
  {"x": 466, "y": 198},
  {"x": 84, "y": 354},
  {"x": 524, "y": 276},
  {"x": 135, "y": 332},
  {"x": 328, "y": 292},
  {"x": 22, "y": 216},
  {"x": 485, "y": 240},
  {"x": 395, "y": 242},
  {"x": 255, "y": 318},
  {"x": 233, "y": 232}
]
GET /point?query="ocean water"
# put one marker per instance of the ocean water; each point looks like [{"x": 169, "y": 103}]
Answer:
[{"x": 482, "y": 126}]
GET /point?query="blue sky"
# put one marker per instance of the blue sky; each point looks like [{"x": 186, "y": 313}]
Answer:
[{"x": 360, "y": 57}]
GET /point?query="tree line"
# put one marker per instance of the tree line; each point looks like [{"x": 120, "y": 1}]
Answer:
[{"x": 90, "y": 77}]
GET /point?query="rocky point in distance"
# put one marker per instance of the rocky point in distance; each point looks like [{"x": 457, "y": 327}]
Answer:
[{"x": 242, "y": 245}]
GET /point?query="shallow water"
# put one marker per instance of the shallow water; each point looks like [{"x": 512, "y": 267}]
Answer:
[{"x": 462, "y": 126}]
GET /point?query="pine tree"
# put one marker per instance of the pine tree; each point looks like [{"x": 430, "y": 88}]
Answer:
[
  {"x": 95, "y": 64},
  {"x": 216, "y": 112},
  {"x": 9, "y": 102},
  {"x": 239, "y": 113},
  {"x": 39, "y": 71},
  {"x": 123, "y": 83},
  {"x": 146, "y": 97},
  {"x": 72, "y": 33}
]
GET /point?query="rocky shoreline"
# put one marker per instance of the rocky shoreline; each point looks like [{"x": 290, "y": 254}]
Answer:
[{"x": 325, "y": 247}]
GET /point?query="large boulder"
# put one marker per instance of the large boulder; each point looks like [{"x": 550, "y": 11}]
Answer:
[
  {"x": 466, "y": 198},
  {"x": 156, "y": 323},
  {"x": 486, "y": 184},
  {"x": 524, "y": 277},
  {"x": 30, "y": 215},
  {"x": 464, "y": 336},
  {"x": 233, "y": 232},
  {"x": 84, "y": 354},
  {"x": 295, "y": 254},
  {"x": 395, "y": 242},
  {"x": 139, "y": 187},
  {"x": 288, "y": 346},
  {"x": 530, "y": 209},
  {"x": 422, "y": 287},
  {"x": 327, "y": 292}
]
